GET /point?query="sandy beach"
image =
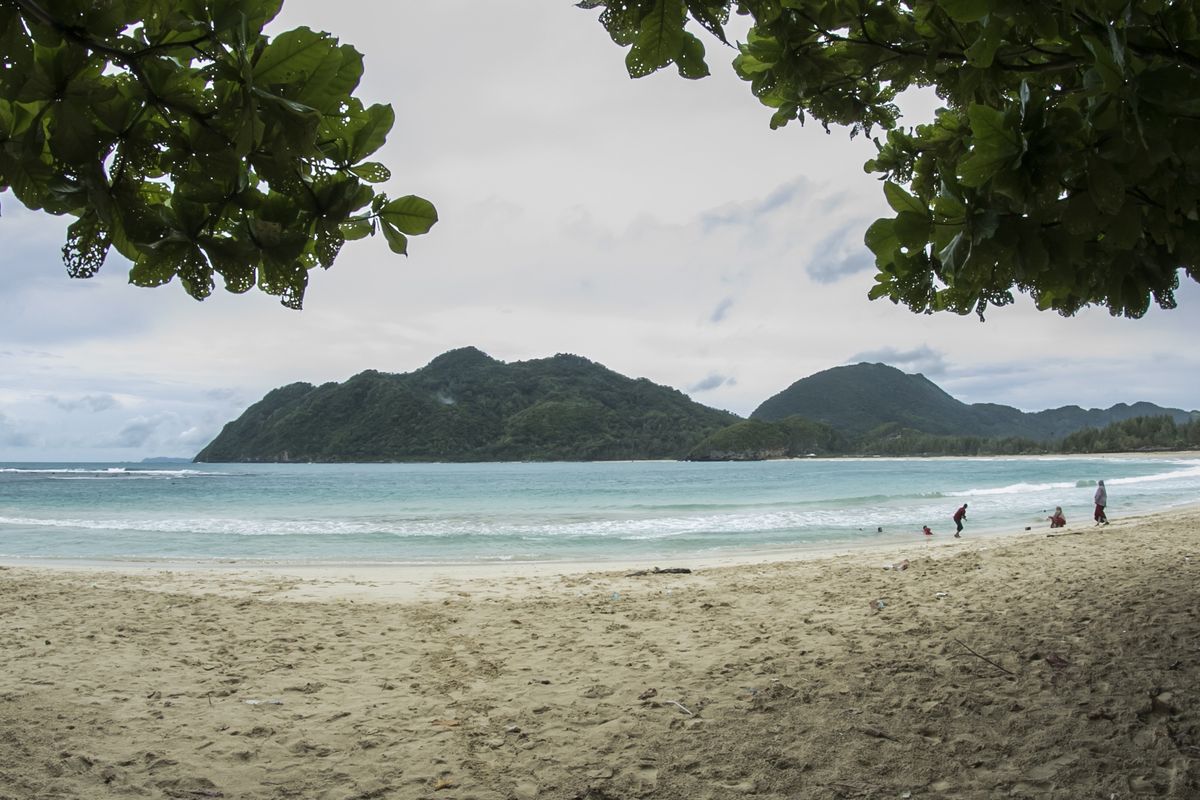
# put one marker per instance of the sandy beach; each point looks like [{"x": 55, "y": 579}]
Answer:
[{"x": 1023, "y": 666}]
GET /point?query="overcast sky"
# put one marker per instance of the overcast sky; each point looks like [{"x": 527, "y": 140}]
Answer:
[{"x": 658, "y": 227}]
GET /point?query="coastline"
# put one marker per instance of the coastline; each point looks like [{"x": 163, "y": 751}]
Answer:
[
  {"x": 403, "y": 582},
  {"x": 1021, "y": 666}
]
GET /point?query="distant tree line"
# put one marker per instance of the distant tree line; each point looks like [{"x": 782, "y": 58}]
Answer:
[
  {"x": 795, "y": 437},
  {"x": 1139, "y": 433}
]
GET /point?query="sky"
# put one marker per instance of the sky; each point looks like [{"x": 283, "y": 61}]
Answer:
[{"x": 656, "y": 226}]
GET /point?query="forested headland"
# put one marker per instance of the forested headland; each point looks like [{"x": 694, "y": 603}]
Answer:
[{"x": 467, "y": 406}]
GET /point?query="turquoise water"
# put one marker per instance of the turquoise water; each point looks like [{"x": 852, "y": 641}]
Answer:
[{"x": 439, "y": 513}]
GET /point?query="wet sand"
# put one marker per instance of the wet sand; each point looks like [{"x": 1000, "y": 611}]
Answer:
[{"x": 1022, "y": 666}]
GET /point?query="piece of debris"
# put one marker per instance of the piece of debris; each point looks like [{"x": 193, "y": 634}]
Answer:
[
  {"x": 681, "y": 707},
  {"x": 1056, "y": 661},
  {"x": 657, "y": 571},
  {"x": 646, "y": 695},
  {"x": 877, "y": 733}
]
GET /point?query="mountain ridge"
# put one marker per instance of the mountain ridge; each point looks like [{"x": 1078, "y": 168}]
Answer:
[
  {"x": 465, "y": 405},
  {"x": 858, "y": 398}
]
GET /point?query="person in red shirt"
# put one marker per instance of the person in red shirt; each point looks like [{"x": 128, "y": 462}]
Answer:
[
  {"x": 959, "y": 516},
  {"x": 1057, "y": 520}
]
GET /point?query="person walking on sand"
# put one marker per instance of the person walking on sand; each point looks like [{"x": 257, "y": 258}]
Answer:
[
  {"x": 1101, "y": 499},
  {"x": 1057, "y": 520},
  {"x": 959, "y": 516}
]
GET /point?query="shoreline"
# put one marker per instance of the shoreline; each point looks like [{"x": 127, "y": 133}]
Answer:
[{"x": 416, "y": 582}]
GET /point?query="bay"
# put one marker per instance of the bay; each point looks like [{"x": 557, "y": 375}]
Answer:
[{"x": 496, "y": 512}]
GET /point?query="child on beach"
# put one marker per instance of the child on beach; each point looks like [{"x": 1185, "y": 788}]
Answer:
[
  {"x": 1057, "y": 520},
  {"x": 959, "y": 516},
  {"x": 926, "y": 531}
]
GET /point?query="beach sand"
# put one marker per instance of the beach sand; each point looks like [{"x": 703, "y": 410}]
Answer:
[{"x": 1022, "y": 666}]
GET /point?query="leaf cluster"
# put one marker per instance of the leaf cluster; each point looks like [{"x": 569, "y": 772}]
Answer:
[
  {"x": 182, "y": 136},
  {"x": 1064, "y": 162}
]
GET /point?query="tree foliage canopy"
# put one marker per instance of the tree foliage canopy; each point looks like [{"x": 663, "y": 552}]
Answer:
[
  {"x": 181, "y": 135},
  {"x": 1064, "y": 162}
]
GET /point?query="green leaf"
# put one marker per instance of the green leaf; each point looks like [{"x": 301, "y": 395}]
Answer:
[
  {"x": 912, "y": 230},
  {"x": 1111, "y": 74},
  {"x": 357, "y": 228},
  {"x": 236, "y": 260},
  {"x": 87, "y": 245},
  {"x": 982, "y": 51},
  {"x": 955, "y": 254},
  {"x": 6, "y": 119},
  {"x": 966, "y": 10},
  {"x": 881, "y": 240},
  {"x": 396, "y": 240},
  {"x": 153, "y": 268},
  {"x": 74, "y": 138},
  {"x": 882, "y": 287},
  {"x": 194, "y": 271},
  {"x": 995, "y": 145},
  {"x": 329, "y": 241},
  {"x": 374, "y": 125},
  {"x": 292, "y": 56},
  {"x": 372, "y": 172},
  {"x": 659, "y": 40},
  {"x": 291, "y": 105},
  {"x": 900, "y": 200},
  {"x": 690, "y": 60},
  {"x": 410, "y": 214}
]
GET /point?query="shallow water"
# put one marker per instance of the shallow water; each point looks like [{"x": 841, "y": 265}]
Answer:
[{"x": 453, "y": 513}]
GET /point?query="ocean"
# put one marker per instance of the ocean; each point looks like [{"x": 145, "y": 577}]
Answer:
[{"x": 480, "y": 513}]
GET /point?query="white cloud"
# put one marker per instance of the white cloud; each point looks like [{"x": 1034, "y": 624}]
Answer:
[
  {"x": 923, "y": 359},
  {"x": 88, "y": 402}
]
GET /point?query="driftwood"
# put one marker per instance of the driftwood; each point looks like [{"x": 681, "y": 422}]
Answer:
[
  {"x": 877, "y": 733},
  {"x": 671, "y": 570}
]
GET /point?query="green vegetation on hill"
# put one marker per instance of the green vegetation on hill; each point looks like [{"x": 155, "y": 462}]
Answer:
[
  {"x": 755, "y": 440},
  {"x": 860, "y": 398},
  {"x": 796, "y": 437},
  {"x": 1141, "y": 433},
  {"x": 467, "y": 406}
]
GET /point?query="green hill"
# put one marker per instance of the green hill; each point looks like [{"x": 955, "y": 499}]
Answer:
[
  {"x": 859, "y": 399},
  {"x": 466, "y": 406}
]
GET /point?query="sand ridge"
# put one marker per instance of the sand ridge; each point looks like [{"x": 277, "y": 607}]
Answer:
[{"x": 1027, "y": 666}]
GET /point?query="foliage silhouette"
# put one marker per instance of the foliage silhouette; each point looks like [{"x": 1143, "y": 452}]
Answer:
[{"x": 181, "y": 135}]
